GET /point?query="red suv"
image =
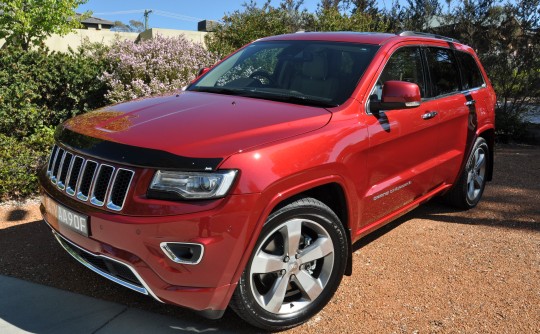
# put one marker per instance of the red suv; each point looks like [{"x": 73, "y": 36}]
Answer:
[{"x": 248, "y": 188}]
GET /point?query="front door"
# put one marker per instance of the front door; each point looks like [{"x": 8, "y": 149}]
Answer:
[{"x": 402, "y": 143}]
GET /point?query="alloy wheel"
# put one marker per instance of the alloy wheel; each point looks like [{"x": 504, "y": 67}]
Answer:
[
  {"x": 476, "y": 174},
  {"x": 292, "y": 266}
]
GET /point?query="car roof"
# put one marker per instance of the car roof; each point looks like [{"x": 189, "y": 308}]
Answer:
[{"x": 359, "y": 37}]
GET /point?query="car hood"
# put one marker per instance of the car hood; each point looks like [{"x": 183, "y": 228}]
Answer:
[{"x": 196, "y": 124}]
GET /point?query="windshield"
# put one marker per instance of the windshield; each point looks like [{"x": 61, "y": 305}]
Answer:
[{"x": 304, "y": 72}]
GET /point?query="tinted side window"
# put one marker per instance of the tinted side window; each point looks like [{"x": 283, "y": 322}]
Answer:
[
  {"x": 404, "y": 65},
  {"x": 472, "y": 77},
  {"x": 443, "y": 69}
]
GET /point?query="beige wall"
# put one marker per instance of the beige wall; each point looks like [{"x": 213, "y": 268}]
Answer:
[
  {"x": 75, "y": 39},
  {"x": 194, "y": 36}
]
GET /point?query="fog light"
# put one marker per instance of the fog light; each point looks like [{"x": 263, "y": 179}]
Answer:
[{"x": 183, "y": 252}]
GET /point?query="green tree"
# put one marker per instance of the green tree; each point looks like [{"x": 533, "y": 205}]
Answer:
[
  {"x": 330, "y": 4},
  {"x": 254, "y": 22},
  {"x": 332, "y": 19},
  {"x": 415, "y": 15},
  {"x": 133, "y": 26},
  {"x": 507, "y": 40},
  {"x": 24, "y": 23},
  {"x": 364, "y": 6}
]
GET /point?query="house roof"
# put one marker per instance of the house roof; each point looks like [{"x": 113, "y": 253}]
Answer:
[
  {"x": 97, "y": 20},
  {"x": 94, "y": 21}
]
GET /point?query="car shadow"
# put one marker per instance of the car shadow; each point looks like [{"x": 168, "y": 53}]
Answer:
[
  {"x": 436, "y": 211},
  {"x": 17, "y": 215},
  {"x": 510, "y": 201}
]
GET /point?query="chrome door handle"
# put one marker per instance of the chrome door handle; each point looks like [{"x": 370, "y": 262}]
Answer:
[
  {"x": 470, "y": 103},
  {"x": 429, "y": 115}
]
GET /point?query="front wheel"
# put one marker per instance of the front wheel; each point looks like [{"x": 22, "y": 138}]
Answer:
[
  {"x": 295, "y": 268},
  {"x": 469, "y": 188}
]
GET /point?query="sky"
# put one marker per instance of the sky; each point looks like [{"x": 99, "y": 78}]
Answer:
[{"x": 170, "y": 14}]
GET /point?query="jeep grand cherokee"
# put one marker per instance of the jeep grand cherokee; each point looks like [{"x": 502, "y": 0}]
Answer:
[{"x": 248, "y": 188}]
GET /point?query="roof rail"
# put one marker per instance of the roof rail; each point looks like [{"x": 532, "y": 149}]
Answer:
[{"x": 425, "y": 34}]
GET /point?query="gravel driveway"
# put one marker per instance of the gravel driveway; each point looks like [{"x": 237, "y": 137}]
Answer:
[{"x": 434, "y": 270}]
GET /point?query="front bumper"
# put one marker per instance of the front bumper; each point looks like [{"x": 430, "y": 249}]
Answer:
[
  {"x": 132, "y": 246},
  {"x": 107, "y": 267}
]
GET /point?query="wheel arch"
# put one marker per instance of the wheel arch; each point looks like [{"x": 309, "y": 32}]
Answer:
[
  {"x": 489, "y": 137},
  {"x": 333, "y": 195},
  {"x": 281, "y": 194}
]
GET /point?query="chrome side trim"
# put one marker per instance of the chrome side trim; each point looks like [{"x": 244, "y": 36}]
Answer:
[
  {"x": 145, "y": 290},
  {"x": 165, "y": 248}
]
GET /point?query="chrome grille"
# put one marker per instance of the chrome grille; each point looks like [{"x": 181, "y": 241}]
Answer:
[
  {"x": 74, "y": 175},
  {"x": 88, "y": 180},
  {"x": 56, "y": 164},
  {"x": 101, "y": 184},
  {"x": 64, "y": 169},
  {"x": 88, "y": 174}
]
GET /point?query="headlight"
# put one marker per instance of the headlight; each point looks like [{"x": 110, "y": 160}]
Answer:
[{"x": 191, "y": 185}]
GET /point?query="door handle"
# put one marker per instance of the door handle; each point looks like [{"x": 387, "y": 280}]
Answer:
[
  {"x": 429, "y": 115},
  {"x": 470, "y": 103}
]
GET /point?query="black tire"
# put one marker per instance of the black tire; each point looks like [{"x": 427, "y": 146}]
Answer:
[
  {"x": 468, "y": 190},
  {"x": 317, "y": 231}
]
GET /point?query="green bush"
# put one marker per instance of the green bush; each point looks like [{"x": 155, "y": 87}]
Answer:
[
  {"x": 39, "y": 89},
  {"x": 20, "y": 162}
]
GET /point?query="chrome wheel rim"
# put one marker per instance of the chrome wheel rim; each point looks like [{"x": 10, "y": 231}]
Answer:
[
  {"x": 476, "y": 174},
  {"x": 292, "y": 266}
]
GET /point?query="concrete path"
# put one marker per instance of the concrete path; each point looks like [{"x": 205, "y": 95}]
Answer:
[{"x": 32, "y": 308}]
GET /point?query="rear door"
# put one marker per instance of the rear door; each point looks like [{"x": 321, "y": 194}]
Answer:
[{"x": 457, "y": 97}]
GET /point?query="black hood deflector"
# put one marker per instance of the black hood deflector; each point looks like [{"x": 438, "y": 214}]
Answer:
[{"x": 131, "y": 155}]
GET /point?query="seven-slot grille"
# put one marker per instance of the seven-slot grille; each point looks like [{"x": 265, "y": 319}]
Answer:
[{"x": 88, "y": 180}]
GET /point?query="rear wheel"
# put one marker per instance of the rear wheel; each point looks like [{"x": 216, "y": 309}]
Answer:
[
  {"x": 469, "y": 188},
  {"x": 296, "y": 266}
]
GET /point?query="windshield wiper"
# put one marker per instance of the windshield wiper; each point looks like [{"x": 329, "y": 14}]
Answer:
[
  {"x": 307, "y": 101},
  {"x": 298, "y": 99},
  {"x": 219, "y": 90},
  {"x": 268, "y": 95}
]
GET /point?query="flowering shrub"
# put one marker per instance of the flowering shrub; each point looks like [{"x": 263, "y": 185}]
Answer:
[{"x": 153, "y": 66}]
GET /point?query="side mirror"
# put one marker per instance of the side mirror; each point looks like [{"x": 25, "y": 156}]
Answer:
[
  {"x": 203, "y": 71},
  {"x": 397, "y": 95}
]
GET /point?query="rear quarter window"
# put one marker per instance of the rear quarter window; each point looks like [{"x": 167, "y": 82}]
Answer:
[{"x": 471, "y": 75}]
